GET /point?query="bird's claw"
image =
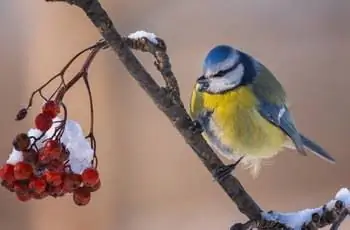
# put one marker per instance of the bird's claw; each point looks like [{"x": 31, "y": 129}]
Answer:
[
  {"x": 196, "y": 127},
  {"x": 223, "y": 171}
]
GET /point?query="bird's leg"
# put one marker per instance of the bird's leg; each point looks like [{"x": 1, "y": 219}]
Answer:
[
  {"x": 222, "y": 172},
  {"x": 196, "y": 127}
]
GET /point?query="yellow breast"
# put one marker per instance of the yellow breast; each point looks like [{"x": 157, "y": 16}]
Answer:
[{"x": 237, "y": 124}]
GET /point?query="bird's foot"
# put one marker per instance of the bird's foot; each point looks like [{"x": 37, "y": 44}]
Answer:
[
  {"x": 196, "y": 127},
  {"x": 222, "y": 172}
]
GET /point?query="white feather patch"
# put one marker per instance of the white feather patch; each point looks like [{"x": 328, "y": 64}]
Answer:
[
  {"x": 281, "y": 113},
  {"x": 230, "y": 80}
]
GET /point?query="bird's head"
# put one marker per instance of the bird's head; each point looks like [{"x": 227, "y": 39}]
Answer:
[{"x": 225, "y": 68}]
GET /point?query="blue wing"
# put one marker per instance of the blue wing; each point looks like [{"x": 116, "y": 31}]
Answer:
[
  {"x": 272, "y": 107},
  {"x": 316, "y": 149},
  {"x": 279, "y": 116}
]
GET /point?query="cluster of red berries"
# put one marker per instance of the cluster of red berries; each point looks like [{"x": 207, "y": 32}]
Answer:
[{"x": 46, "y": 171}]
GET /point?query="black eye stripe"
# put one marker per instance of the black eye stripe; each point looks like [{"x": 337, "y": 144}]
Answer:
[{"x": 222, "y": 73}]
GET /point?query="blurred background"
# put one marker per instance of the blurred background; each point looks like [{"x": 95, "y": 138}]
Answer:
[{"x": 151, "y": 178}]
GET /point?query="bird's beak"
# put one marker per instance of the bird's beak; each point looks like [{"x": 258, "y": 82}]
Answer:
[{"x": 202, "y": 83}]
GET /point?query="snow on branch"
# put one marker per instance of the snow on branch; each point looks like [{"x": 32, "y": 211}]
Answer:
[
  {"x": 167, "y": 98},
  {"x": 332, "y": 213}
]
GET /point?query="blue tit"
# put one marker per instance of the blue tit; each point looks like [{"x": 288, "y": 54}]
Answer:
[{"x": 242, "y": 110}]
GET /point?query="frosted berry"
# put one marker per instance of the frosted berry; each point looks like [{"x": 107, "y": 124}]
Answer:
[
  {"x": 22, "y": 171},
  {"x": 7, "y": 173},
  {"x": 37, "y": 185},
  {"x": 53, "y": 178},
  {"x": 43, "y": 122},
  {"x": 90, "y": 177},
  {"x": 23, "y": 196},
  {"x": 51, "y": 108},
  {"x": 71, "y": 182},
  {"x": 21, "y": 142},
  {"x": 52, "y": 149},
  {"x": 81, "y": 196}
]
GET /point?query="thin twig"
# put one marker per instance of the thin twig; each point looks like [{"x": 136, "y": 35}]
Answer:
[
  {"x": 162, "y": 62},
  {"x": 82, "y": 73},
  {"x": 61, "y": 73}
]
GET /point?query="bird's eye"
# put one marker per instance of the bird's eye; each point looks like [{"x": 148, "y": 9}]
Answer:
[{"x": 220, "y": 73}]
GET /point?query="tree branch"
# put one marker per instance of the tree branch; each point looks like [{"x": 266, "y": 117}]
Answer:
[
  {"x": 332, "y": 213},
  {"x": 168, "y": 100}
]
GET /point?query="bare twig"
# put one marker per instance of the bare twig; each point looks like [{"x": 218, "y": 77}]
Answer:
[
  {"x": 168, "y": 100},
  {"x": 162, "y": 63}
]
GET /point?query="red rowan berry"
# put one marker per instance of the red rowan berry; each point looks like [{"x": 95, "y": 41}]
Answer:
[
  {"x": 43, "y": 157},
  {"x": 20, "y": 186},
  {"x": 95, "y": 187},
  {"x": 52, "y": 149},
  {"x": 22, "y": 171},
  {"x": 71, "y": 182},
  {"x": 23, "y": 196},
  {"x": 7, "y": 173},
  {"x": 51, "y": 108},
  {"x": 53, "y": 178},
  {"x": 81, "y": 196},
  {"x": 90, "y": 177},
  {"x": 56, "y": 191},
  {"x": 43, "y": 122},
  {"x": 8, "y": 186},
  {"x": 37, "y": 185},
  {"x": 40, "y": 196},
  {"x": 56, "y": 165}
]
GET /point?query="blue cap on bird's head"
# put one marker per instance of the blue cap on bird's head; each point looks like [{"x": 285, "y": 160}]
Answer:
[
  {"x": 223, "y": 69},
  {"x": 221, "y": 57}
]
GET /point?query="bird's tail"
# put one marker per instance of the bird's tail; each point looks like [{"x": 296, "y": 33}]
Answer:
[{"x": 314, "y": 148}]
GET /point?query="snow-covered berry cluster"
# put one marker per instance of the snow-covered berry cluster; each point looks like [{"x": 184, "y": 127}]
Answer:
[
  {"x": 52, "y": 159},
  {"x": 55, "y": 158}
]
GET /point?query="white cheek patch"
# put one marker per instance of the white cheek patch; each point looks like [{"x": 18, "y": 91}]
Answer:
[
  {"x": 229, "y": 81},
  {"x": 226, "y": 64}
]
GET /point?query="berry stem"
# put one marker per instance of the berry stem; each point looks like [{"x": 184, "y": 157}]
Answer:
[
  {"x": 87, "y": 84},
  {"x": 59, "y": 93},
  {"x": 96, "y": 47},
  {"x": 91, "y": 132},
  {"x": 81, "y": 74},
  {"x": 63, "y": 124}
]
